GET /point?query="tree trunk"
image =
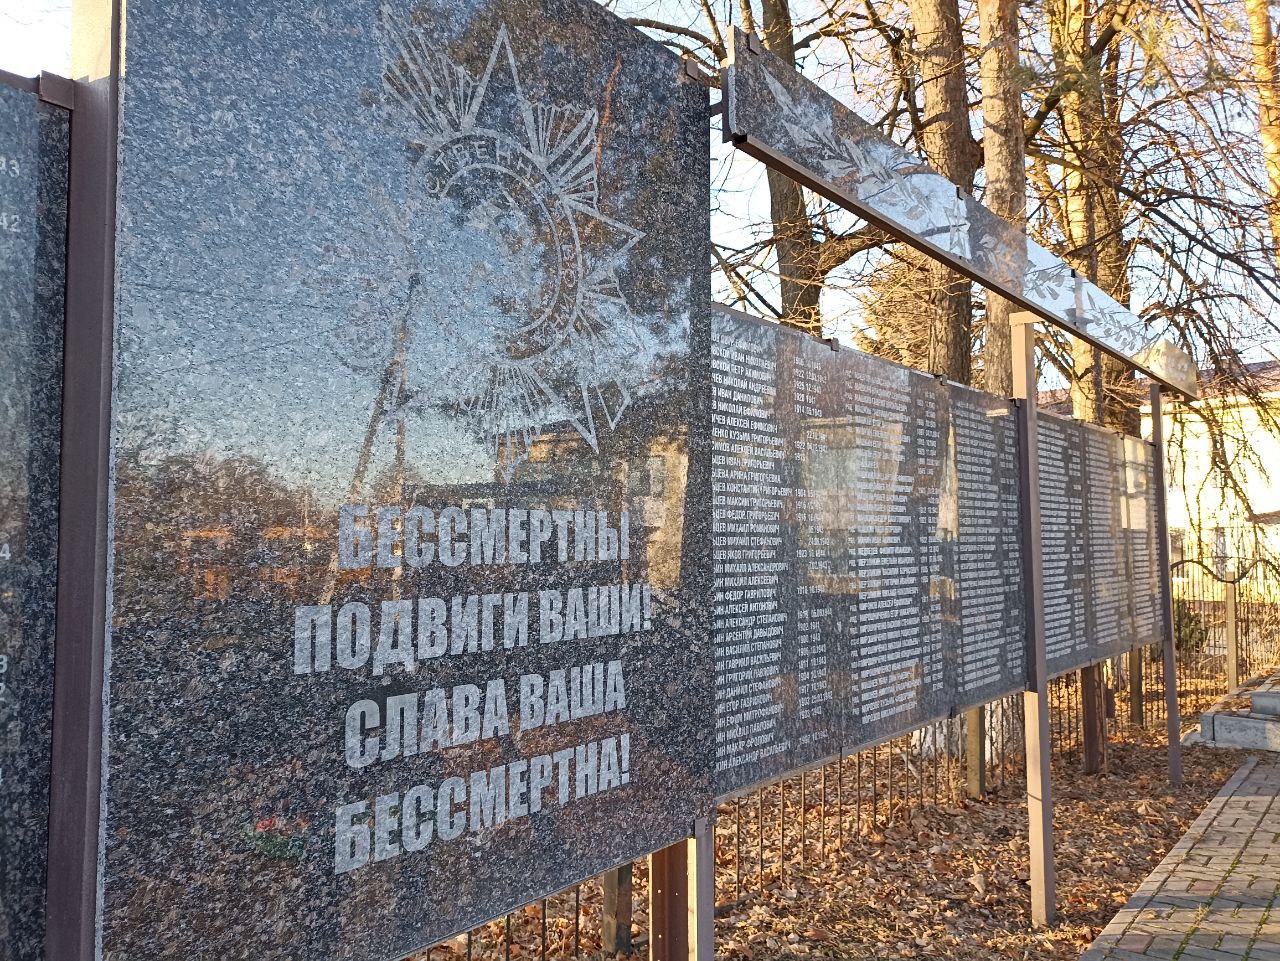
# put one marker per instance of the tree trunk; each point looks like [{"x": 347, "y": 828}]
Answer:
[
  {"x": 799, "y": 277},
  {"x": 950, "y": 147},
  {"x": 1102, "y": 388},
  {"x": 1004, "y": 161},
  {"x": 1263, "y": 48}
]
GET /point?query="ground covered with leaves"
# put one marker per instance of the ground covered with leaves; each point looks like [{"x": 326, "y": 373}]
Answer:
[
  {"x": 901, "y": 867},
  {"x": 950, "y": 881}
]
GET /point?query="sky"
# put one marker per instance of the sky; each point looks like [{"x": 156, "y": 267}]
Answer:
[{"x": 35, "y": 35}]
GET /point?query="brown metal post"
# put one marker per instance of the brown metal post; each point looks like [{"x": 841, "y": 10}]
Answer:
[
  {"x": 79, "y": 642},
  {"x": 616, "y": 920},
  {"x": 1093, "y": 718},
  {"x": 702, "y": 890},
  {"x": 1233, "y": 638},
  {"x": 669, "y": 903},
  {"x": 1166, "y": 590},
  {"x": 975, "y": 752},
  {"x": 1036, "y": 696},
  {"x": 1137, "y": 706}
]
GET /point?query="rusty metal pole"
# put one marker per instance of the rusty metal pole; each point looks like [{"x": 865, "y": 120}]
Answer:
[
  {"x": 1093, "y": 717},
  {"x": 682, "y": 897},
  {"x": 1233, "y": 637},
  {"x": 1036, "y": 696},
  {"x": 975, "y": 752},
  {"x": 1137, "y": 707},
  {"x": 669, "y": 903},
  {"x": 1166, "y": 590},
  {"x": 616, "y": 919}
]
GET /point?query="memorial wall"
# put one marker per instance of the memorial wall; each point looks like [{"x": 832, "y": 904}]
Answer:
[
  {"x": 33, "y": 231},
  {"x": 866, "y": 540},
  {"x": 408, "y": 593},
  {"x": 460, "y": 548}
]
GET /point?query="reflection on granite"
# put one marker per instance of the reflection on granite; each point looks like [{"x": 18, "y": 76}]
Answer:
[
  {"x": 867, "y": 549},
  {"x": 408, "y": 620},
  {"x": 33, "y": 230},
  {"x": 773, "y": 112}
]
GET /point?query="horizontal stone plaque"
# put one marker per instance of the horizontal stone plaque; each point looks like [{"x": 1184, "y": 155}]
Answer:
[
  {"x": 867, "y": 549},
  {"x": 788, "y": 122},
  {"x": 409, "y": 589},
  {"x": 33, "y": 238}
]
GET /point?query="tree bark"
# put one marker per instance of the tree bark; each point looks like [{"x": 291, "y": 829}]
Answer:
[
  {"x": 1267, "y": 91},
  {"x": 950, "y": 147},
  {"x": 1004, "y": 162},
  {"x": 799, "y": 277}
]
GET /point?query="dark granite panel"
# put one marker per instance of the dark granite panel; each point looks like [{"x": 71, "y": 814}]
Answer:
[
  {"x": 1140, "y": 537},
  {"x": 899, "y": 676},
  {"x": 867, "y": 549},
  {"x": 779, "y": 448},
  {"x": 33, "y": 230},
  {"x": 409, "y": 587},
  {"x": 1110, "y": 585},
  {"x": 1064, "y": 541},
  {"x": 991, "y": 586},
  {"x": 1098, "y": 527},
  {"x": 790, "y": 123}
]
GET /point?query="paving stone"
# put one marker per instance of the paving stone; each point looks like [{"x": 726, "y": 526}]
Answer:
[{"x": 1214, "y": 897}]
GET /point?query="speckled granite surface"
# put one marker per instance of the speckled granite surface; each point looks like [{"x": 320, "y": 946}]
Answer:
[
  {"x": 33, "y": 231},
  {"x": 444, "y": 264}
]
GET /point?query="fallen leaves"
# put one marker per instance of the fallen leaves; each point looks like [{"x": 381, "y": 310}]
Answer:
[{"x": 945, "y": 880}]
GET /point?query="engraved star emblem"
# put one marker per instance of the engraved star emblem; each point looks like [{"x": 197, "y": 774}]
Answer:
[{"x": 517, "y": 253}]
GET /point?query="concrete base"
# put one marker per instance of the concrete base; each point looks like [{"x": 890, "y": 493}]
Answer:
[
  {"x": 1247, "y": 718},
  {"x": 1240, "y": 729},
  {"x": 1265, "y": 699}
]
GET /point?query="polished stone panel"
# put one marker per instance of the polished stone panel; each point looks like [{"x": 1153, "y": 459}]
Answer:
[
  {"x": 780, "y": 447},
  {"x": 409, "y": 585},
  {"x": 1064, "y": 541},
  {"x": 900, "y": 662},
  {"x": 1101, "y": 574},
  {"x": 990, "y": 586},
  {"x": 774, "y": 113},
  {"x": 867, "y": 549},
  {"x": 33, "y": 232}
]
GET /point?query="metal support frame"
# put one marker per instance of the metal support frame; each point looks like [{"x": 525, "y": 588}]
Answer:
[
  {"x": 1036, "y": 696},
  {"x": 1093, "y": 718},
  {"x": 1137, "y": 697},
  {"x": 1233, "y": 636},
  {"x": 975, "y": 752},
  {"x": 702, "y": 890},
  {"x": 1167, "y": 645},
  {"x": 616, "y": 918},
  {"x": 79, "y": 643},
  {"x": 682, "y": 897}
]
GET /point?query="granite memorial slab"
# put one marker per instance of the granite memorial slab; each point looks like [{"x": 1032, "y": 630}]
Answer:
[
  {"x": 409, "y": 587},
  {"x": 899, "y": 654},
  {"x": 775, "y": 114},
  {"x": 1064, "y": 541},
  {"x": 991, "y": 585},
  {"x": 1140, "y": 530},
  {"x": 1102, "y": 581},
  {"x": 780, "y": 447},
  {"x": 33, "y": 232},
  {"x": 866, "y": 539}
]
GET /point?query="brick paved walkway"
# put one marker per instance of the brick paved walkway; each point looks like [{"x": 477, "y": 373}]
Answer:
[{"x": 1216, "y": 897}]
